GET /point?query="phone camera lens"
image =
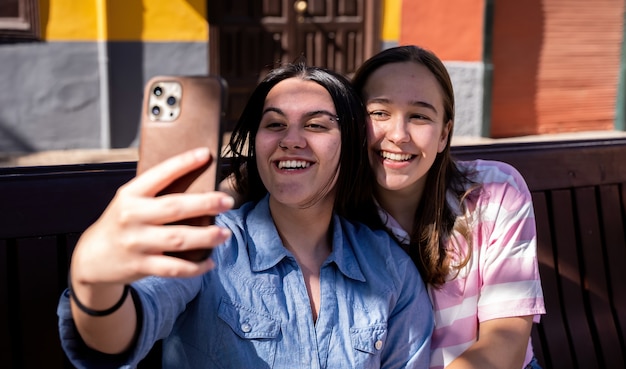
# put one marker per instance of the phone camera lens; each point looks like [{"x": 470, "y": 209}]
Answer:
[
  {"x": 156, "y": 110},
  {"x": 158, "y": 91},
  {"x": 171, "y": 100}
]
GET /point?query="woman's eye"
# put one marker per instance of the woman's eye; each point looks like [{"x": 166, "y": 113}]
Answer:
[
  {"x": 378, "y": 115},
  {"x": 316, "y": 126},
  {"x": 321, "y": 123},
  {"x": 273, "y": 125},
  {"x": 419, "y": 117}
]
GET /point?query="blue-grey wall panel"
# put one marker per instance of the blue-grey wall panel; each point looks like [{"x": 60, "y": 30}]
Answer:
[
  {"x": 50, "y": 92},
  {"x": 131, "y": 65},
  {"x": 49, "y": 96}
]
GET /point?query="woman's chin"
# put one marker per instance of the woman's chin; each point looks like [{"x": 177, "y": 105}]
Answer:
[{"x": 398, "y": 182}]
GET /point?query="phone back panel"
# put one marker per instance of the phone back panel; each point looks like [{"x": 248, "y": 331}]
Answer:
[{"x": 180, "y": 113}]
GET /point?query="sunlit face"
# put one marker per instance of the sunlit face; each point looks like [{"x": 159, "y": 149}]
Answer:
[
  {"x": 298, "y": 143},
  {"x": 405, "y": 125}
]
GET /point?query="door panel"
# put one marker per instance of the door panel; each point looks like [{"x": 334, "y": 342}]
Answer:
[
  {"x": 249, "y": 37},
  {"x": 331, "y": 34}
]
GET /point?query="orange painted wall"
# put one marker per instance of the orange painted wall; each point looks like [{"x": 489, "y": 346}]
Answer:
[
  {"x": 517, "y": 37},
  {"x": 556, "y": 66},
  {"x": 453, "y": 29}
]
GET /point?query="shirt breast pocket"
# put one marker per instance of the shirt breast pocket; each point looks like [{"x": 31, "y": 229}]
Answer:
[
  {"x": 367, "y": 344},
  {"x": 247, "y": 336}
]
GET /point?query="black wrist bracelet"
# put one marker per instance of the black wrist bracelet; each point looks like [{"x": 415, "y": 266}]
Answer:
[{"x": 92, "y": 312}]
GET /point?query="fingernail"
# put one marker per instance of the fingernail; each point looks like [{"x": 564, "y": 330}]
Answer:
[
  {"x": 228, "y": 202},
  {"x": 226, "y": 232},
  {"x": 201, "y": 153}
]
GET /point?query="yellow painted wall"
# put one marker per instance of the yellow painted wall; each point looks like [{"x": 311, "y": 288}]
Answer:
[
  {"x": 69, "y": 19},
  {"x": 391, "y": 20},
  {"x": 124, "y": 20}
]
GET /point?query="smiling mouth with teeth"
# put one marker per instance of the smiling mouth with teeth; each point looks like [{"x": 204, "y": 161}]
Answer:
[
  {"x": 394, "y": 156},
  {"x": 293, "y": 164}
]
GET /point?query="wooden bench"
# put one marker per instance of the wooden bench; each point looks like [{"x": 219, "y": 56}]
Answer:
[
  {"x": 579, "y": 193},
  {"x": 579, "y": 196}
]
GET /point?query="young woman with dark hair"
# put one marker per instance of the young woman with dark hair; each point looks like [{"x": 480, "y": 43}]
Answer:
[{"x": 294, "y": 281}]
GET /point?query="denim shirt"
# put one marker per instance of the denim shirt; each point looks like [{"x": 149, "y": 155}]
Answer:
[{"x": 253, "y": 311}]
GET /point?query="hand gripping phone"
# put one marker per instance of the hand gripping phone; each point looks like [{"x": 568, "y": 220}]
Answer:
[{"x": 180, "y": 113}]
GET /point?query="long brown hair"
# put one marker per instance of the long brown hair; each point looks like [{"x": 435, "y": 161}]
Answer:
[{"x": 435, "y": 220}]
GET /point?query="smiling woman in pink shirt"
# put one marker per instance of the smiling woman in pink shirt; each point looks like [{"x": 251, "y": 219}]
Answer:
[{"x": 468, "y": 226}]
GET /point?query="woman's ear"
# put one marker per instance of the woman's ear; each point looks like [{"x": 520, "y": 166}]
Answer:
[{"x": 445, "y": 133}]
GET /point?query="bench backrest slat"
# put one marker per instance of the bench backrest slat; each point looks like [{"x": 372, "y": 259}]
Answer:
[
  {"x": 613, "y": 206},
  {"x": 6, "y": 341},
  {"x": 595, "y": 270},
  {"x": 569, "y": 269},
  {"x": 59, "y": 201},
  {"x": 557, "y": 353},
  {"x": 554, "y": 165},
  {"x": 38, "y": 297}
]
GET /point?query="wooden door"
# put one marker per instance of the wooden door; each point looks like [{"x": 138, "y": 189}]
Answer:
[{"x": 249, "y": 37}]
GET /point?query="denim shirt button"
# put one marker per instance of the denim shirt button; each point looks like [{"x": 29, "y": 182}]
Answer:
[
  {"x": 378, "y": 345},
  {"x": 246, "y": 328}
]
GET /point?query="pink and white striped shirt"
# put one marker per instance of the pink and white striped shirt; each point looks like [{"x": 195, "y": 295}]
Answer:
[{"x": 502, "y": 277}]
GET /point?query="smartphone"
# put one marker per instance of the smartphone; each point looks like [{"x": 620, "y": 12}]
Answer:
[{"x": 180, "y": 113}]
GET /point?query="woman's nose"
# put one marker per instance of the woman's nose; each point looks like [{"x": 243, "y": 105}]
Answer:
[
  {"x": 293, "y": 139},
  {"x": 398, "y": 131}
]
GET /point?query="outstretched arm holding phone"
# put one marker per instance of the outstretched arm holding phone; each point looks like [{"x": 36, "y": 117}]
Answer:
[{"x": 128, "y": 241}]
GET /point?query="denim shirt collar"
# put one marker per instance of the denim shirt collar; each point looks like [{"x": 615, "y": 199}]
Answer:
[{"x": 266, "y": 249}]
